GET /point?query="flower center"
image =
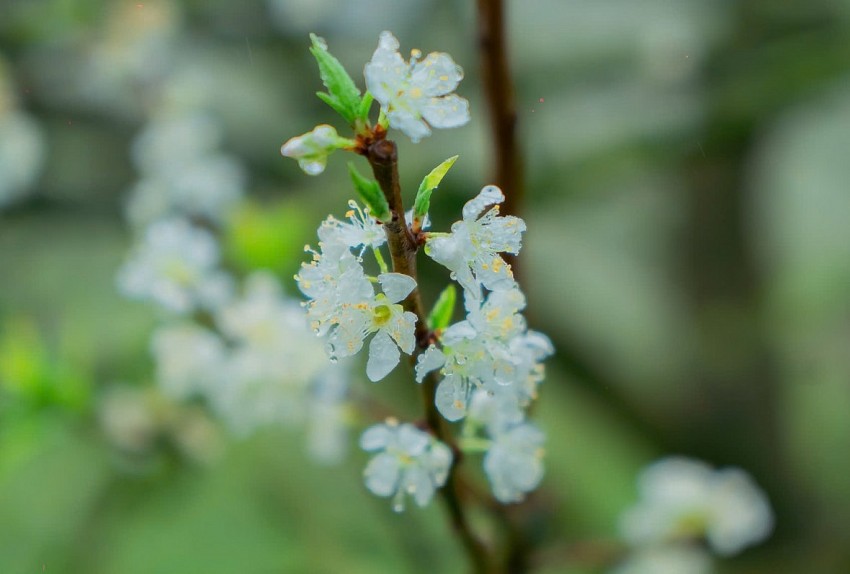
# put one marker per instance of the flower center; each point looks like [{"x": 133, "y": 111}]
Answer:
[{"x": 381, "y": 315}]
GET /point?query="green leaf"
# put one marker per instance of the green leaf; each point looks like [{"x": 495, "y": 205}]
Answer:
[
  {"x": 441, "y": 313},
  {"x": 343, "y": 95},
  {"x": 371, "y": 194},
  {"x": 365, "y": 106},
  {"x": 428, "y": 185}
]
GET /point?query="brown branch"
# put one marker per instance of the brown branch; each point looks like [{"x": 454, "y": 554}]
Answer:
[
  {"x": 501, "y": 104},
  {"x": 383, "y": 158}
]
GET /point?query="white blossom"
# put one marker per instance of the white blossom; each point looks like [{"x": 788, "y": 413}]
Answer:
[
  {"x": 380, "y": 314},
  {"x": 471, "y": 250},
  {"x": 409, "y": 461},
  {"x": 176, "y": 266},
  {"x": 685, "y": 499},
  {"x": 312, "y": 149},
  {"x": 417, "y": 95}
]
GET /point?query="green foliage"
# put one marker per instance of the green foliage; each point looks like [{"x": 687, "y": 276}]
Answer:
[
  {"x": 371, "y": 194},
  {"x": 441, "y": 313},
  {"x": 260, "y": 236},
  {"x": 34, "y": 374},
  {"x": 343, "y": 95},
  {"x": 423, "y": 197}
]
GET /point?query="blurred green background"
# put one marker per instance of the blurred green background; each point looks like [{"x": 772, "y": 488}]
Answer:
[{"x": 688, "y": 252}]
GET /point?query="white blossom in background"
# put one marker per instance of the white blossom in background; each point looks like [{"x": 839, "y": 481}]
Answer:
[
  {"x": 409, "y": 462},
  {"x": 417, "y": 95},
  {"x": 167, "y": 141},
  {"x": 471, "y": 250},
  {"x": 667, "y": 559},
  {"x": 175, "y": 265},
  {"x": 127, "y": 417},
  {"x": 274, "y": 358},
  {"x": 22, "y": 145},
  {"x": 683, "y": 499},
  {"x": 329, "y": 414},
  {"x": 312, "y": 149},
  {"x": 134, "y": 419},
  {"x": 182, "y": 171},
  {"x": 190, "y": 359}
]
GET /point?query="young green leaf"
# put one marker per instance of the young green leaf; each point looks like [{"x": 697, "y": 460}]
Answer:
[
  {"x": 423, "y": 197},
  {"x": 441, "y": 314},
  {"x": 371, "y": 194},
  {"x": 365, "y": 106},
  {"x": 343, "y": 95}
]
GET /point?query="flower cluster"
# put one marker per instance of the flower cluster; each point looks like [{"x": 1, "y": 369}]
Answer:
[
  {"x": 683, "y": 501},
  {"x": 486, "y": 368},
  {"x": 490, "y": 364},
  {"x": 240, "y": 345}
]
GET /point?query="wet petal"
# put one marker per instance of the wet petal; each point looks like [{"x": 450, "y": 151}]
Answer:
[
  {"x": 396, "y": 286},
  {"x": 382, "y": 474},
  {"x": 437, "y": 74},
  {"x": 452, "y": 397},
  {"x": 383, "y": 357},
  {"x": 488, "y": 196},
  {"x": 450, "y": 111},
  {"x": 432, "y": 359}
]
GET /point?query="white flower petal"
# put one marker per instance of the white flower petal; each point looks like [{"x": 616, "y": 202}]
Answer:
[
  {"x": 488, "y": 196},
  {"x": 396, "y": 286},
  {"x": 402, "y": 328},
  {"x": 383, "y": 356},
  {"x": 452, "y": 397},
  {"x": 412, "y": 440},
  {"x": 409, "y": 123},
  {"x": 382, "y": 474},
  {"x": 437, "y": 74},
  {"x": 432, "y": 359},
  {"x": 445, "y": 112},
  {"x": 376, "y": 437}
]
